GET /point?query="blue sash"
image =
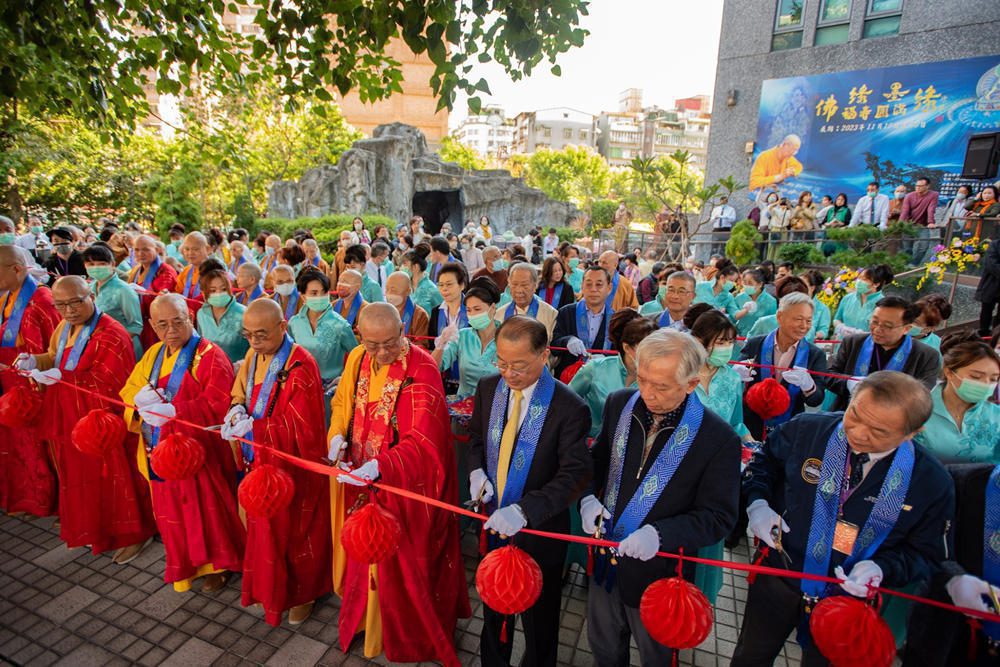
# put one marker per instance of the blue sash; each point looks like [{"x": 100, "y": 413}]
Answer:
[
  {"x": 463, "y": 321},
  {"x": 188, "y": 290},
  {"x": 527, "y": 436},
  {"x": 556, "y": 295},
  {"x": 293, "y": 300},
  {"x": 895, "y": 363},
  {"x": 767, "y": 359},
  {"x": 352, "y": 312},
  {"x": 991, "y": 543},
  {"x": 181, "y": 365},
  {"x": 79, "y": 345},
  {"x": 315, "y": 261},
  {"x": 532, "y": 311},
  {"x": 246, "y": 298},
  {"x": 827, "y": 505},
  {"x": 615, "y": 278},
  {"x": 278, "y": 362},
  {"x": 13, "y": 325},
  {"x": 237, "y": 263},
  {"x": 664, "y": 320},
  {"x": 583, "y": 326},
  {"x": 147, "y": 281},
  {"x": 408, "y": 315}
]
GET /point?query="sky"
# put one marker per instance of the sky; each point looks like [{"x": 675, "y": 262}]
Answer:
[{"x": 668, "y": 48}]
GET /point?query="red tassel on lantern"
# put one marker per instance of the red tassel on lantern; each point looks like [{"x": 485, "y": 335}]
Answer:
[
  {"x": 98, "y": 432},
  {"x": 849, "y": 631},
  {"x": 768, "y": 399},
  {"x": 571, "y": 370},
  {"x": 676, "y": 613},
  {"x": 371, "y": 534},
  {"x": 266, "y": 491},
  {"x": 20, "y": 407},
  {"x": 509, "y": 581},
  {"x": 178, "y": 457}
]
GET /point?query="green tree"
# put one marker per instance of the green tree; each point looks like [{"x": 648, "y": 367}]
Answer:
[
  {"x": 575, "y": 174},
  {"x": 742, "y": 244},
  {"x": 452, "y": 150}
]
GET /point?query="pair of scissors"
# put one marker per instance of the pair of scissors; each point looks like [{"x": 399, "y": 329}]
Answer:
[{"x": 776, "y": 534}]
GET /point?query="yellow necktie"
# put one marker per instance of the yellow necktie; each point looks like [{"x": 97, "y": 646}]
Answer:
[{"x": 507, "y": 443}]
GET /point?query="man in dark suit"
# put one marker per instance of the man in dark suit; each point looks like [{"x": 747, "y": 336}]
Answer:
[
  {"x": 889, "y": 347},
  {"x": 847, "y": 496},
  {"x": 529, "y": 462},
  {"x": 686, "y": 456},
  {"x": 65, "y": 259},
  {"x": 786, "y": 347},
  {"x": 583, "y": 325}
]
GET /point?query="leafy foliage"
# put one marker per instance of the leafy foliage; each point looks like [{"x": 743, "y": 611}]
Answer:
[
  {"x": 464, "y": 156},
  {"x": 800, "y": 254},
  {"x": 326, "y": 228},
  {"x": 602, "y": 213},
  {"x": 575, "y": 174},
  {"x": 742, "y": 244}
]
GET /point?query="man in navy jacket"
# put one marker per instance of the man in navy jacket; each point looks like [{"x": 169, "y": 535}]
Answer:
[{"x": 592, "y": 309}]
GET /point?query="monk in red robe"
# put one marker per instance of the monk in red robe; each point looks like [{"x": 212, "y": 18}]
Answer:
[
  {"x": 103, "y": 501},
  {"x": 27, "y": 320},
  {"x": 390, "y": 402},
  {"x": 152, "y": 276},
  {"x": 278, "y": 402},
  {"x": 188, "y": 378}
]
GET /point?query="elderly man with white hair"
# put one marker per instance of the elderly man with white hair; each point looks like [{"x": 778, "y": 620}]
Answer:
[
  {"x": 313, "y": 256},
  {"x": 666, "y": 478},
  {"x": 522, "y": 281}
]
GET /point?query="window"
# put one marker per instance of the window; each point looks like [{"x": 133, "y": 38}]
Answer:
[
  {"x": 834, "y": 22},
  {"x": 583, "y": 135},
  {"x": 835, "y": 11},
  {"x": 786, "y": 40},
  {"x": 567, "y": 133},
  {"x": 547, "y": 132},
  {"x": 883, "y": 18},
  {"x": 787, "y": 25}
]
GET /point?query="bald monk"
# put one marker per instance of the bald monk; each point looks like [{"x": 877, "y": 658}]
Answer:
[
  {"x": 103, "y": 502},
  {"x": 349, "y": 303},
  {"x": 272, "y": 245},
  {"x": 622, "y": 293},
  {"x": 188, "y": 378},
  {"x": 390, "y": 404},
  {"x": 416, "y": 322},
  {"x": 27, "y": 320},
  {"x": 150, "y": 276},
  {"x": 277, "y": 401},
  {"x": 195, "y": 250}
]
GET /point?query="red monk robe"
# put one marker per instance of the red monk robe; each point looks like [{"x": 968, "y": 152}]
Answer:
[
  {"x": 103, "y": 501},
  {"x": 198, "y": 518},
  {"x": 421, "y": 591},
  {"x": 287, "y": 561},
  {"x": 164, "y": 281},
  {"x": 27, "y": 476}
]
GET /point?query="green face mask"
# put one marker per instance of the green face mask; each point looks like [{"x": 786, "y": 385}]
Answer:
[
  {"x": 500, "y": 265},
  {"x": 219, "y": 300},
  {"x": 480, "y": 321},
  {"x": 407, "y": 271},
  {"x": 661, "y": 293},
  {"x": 37, "y": 229},
  {"x": 317, "y": 303},
  {"x": 574, "y": 262},
  {"x": 972, "y": 391},
  {"x": 7, "y": 238},
  {"x": 720, "y": 356},
  {"x": 749, "y": 290},
  {"x": 100, "y": 273},
  {"x": 862, "y": 287},
  {"x": 728, "y": 286}
]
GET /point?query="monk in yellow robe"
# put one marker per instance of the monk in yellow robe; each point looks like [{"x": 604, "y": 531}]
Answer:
[{"x": 776, "y": 164}]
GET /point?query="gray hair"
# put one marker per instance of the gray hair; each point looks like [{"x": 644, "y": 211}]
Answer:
[
  {"x": 310, "y": 243},
  {"x": 685, "y": 276},
  {"x": 283, "y": 267},
  {"x": 252, "y": 269},
  {"x": 492, "y": 248},
  {"x": 525, "y": 266},
  {"x": 899, "y": 390},
  {"x": 6, "y": 223},
  {"x": 795, "y": 299},
  {"x": 666, "y": 342}
]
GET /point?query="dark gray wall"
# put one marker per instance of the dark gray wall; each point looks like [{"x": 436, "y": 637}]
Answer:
[{"x": 930, "y": 30}]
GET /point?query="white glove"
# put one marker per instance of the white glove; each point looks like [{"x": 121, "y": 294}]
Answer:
[
  {"x": 763, "y": 520},
  {"x": 480, "y": 486},
  {"x": 147, "y": 396},
  {"x": 852, "y": 385},
  {"x": 236, "y": 366},
  {"x": 507, "y": 521},
  {"x": 25, "y": 362},
  {"x": 337, "y": 447},
  {"x": 236, "y": 413},
  {"x": 590, "y": 509},
  {"x": 746, "y": 373},
  {"x": 47, "y": 378},
  {"x": 237, "y": 430},
  {"x": 800, "y": 377},
  {"x": 367, "y": 472},
  {"x": 448, "y": 334},
  {"x": 576, "y": 347},
  {"x": 750, "y": 307},
  {"x": 968, "y": 591},
  {"x": 157, "y": 414},
  {"x": 642, "y": 544},
  {"x": 863, "y": 574}
]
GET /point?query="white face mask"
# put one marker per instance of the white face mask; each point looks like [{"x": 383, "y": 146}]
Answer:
[
  {"x": 285, "y": 289},
  {"x": 395, "y": 299}
]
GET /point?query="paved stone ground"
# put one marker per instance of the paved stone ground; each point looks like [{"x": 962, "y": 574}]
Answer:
[{"x": 69, "y": 607}]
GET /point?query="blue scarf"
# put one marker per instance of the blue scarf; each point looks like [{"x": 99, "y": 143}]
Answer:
[
  {"x": 863, "y": 363},
  {"x": 245, "y": 298},
  {"x": 352, "y": 312},
  {"x": 767, "y": 359},
  {"x": 147, "y": 281},
  {"x": 408, "y": 315},
  {"x": 237, "y": 263},
  {"x": 991, "y": 543},
  {"x": 293, "y": 300},
  {"x": 463, "y": 321},
  {"x": 181, "y": 365},
  {"x": 13, "y": 325},
  {"x": 615, "y": 279},
  {"x": 79, "y": 345},
  {"x": 532, "y": 311},
  {"x": 583, "y": 325},
  {"x": 664, "y": 320},
  {"x": 256, "y": 411},
  {"x": 556, "y": 295},
  {"x": 188, "y": 291}
]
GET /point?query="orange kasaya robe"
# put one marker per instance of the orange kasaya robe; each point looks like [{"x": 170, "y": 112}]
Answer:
[
  {"x": 164, "y": 281},
  {"x": 27, "y": 476},
  {"x": 198, "y": 518},
  {"x": 421, "y": 591},
  {"x": 103, "y": 501},
  {"x": 194, "y": 296},
  {"x": 287, "y": 561}
]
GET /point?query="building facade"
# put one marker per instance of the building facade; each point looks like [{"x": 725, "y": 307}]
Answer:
[
  {"x": 553, "y": 128},
  {"x": 634, "y": 131},
  {"x": 490, "y": 133},
  {"x": 764, "y": 40}
]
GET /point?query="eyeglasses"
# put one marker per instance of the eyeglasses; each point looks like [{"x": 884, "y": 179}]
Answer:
[
  {"x": 884, "y": 326},
  {"x": 177, "y": 324},
  {"x": 389, "y": 345},
  {"x": 677, "y": 292},
  {"x": 512, "y": 369},
  {"x": 72, "y": 304},
  {"x": 258, "y": 336}
]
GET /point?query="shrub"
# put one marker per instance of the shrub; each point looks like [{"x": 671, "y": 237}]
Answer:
[
  {"x": 742, "y": 244},
  {"x": 800, "y": 254},
  {"x": 326, "y": 228},
  {"x": 602, "y": 213}
]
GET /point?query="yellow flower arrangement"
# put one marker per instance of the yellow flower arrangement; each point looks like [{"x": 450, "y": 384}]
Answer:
[{"x": 957, "y": 257}]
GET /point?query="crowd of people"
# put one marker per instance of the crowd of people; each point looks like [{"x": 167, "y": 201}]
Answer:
[{"x": 458, "y": 370}]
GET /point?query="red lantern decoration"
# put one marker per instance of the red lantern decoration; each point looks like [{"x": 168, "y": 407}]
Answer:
[
  {"x": 676, "y": 613},
  {"x": 20, "y": 407},
  {"x": 509, "y": 581},
  {"x": 266, "y": 491},
  {"x": 98, "y": 432},
  {"x": 849, "y": 631},
  {"x": 768, "y": 399},
  {"x": 371, "y": 534},
  {"x": 177, "y": 457},
  {"x": 570, "y": 371}
]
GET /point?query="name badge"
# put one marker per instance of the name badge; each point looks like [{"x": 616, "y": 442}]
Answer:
[{"x": 844, "y": 536}]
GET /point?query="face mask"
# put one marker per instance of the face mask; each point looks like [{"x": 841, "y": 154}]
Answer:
[
  {"x": 499, "y": 265},
  {"x": 480, "y": 321},
  {"x": 661, "y": 293},
  {"x": 218, "y": 300},
  {"x": 972, "y": 391},
  {"x": 960, "y": 196},
  {"x": 749, "y": 290},
  {"x": 285, "y": 290},
  {"x": 99, "y": 273},
  {"x": 720, "y": 356},
  {"x": 268, "y": 251},
  {"x": 407, "y": 271},
  {"x": 862, "y": 287},
  {"x": 573, "y": 263},
  {"x": 318, "y": 303},
  {"x": 900, "y": 195},
  {"x": 64, "y": 250},
  {"x": 403, "y": 246},
  {"x": 395, "y": 299},
  {"x": 7, "y": 238},
  {"x": 37, "y": 229},
  {"x": 728, "y": 286}
]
